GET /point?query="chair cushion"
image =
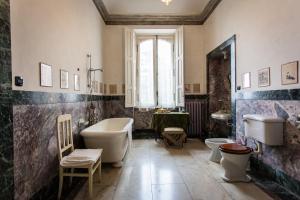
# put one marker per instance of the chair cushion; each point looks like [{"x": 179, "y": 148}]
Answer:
[
  {"x": 173, "y": 129},
  {"x": 81, "y": 157}
]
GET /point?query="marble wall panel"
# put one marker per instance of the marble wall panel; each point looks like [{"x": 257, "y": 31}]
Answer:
[
  {"x": 35, "y": 142},
  {"x": 116, "y": 108},
  {"x": 285, "y": 158},
  {"x": 6, "y": 126}
]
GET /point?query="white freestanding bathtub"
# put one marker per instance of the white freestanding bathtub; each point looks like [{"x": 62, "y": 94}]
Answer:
[{"x": 113, "y": 135}]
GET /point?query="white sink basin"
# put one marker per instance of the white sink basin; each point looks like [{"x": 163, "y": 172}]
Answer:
[{"x": 221, "y": 115}]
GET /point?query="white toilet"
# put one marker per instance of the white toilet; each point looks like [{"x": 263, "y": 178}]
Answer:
[
  {"x": 235, "y": 157},
  {"x": 213, "y": 144}
]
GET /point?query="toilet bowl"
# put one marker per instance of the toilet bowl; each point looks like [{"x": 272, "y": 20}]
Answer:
[
  {"x": 263, "y": 129},
  {"x": 234, "y": 161},
  {"x": 213, "y": 144}
]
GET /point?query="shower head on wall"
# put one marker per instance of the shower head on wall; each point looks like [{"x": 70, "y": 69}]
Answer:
[{"x": 92, "y": 69}]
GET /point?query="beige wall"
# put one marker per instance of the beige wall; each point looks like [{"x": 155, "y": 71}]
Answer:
[
  {"x": 194, "y": 57},
  {"x": 268, "y": 35},
  {"x": 59, "y": 33}
]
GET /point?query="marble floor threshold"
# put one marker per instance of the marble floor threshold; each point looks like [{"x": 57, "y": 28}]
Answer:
[{"x": 153, "y": 172}]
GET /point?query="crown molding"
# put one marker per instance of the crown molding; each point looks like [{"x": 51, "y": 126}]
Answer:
[{"x": 200, "y": 19}]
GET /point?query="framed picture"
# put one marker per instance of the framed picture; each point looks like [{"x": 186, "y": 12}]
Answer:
[
  {"x": 105, "y": 89},
  {"x": 46, "y": 75},
  {"x": 187, "y": 88},
  {"x": 123, "y": 88},
  {"x": 101, "y": 88},
  {"x": 76, "y": 82},
  {"x": 246, "y": 80},
  {"x": 196, "y": 88},
  {"x": 113, "y": 89},
  {"x": 64, "y": 79},
  {"x": 95, "y": 86},
  {"x": 289, "y": 73},
  {"x": 264, "y": 77}
]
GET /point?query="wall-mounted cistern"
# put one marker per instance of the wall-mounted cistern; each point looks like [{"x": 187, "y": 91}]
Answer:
[{"x": 263, "y": 129}]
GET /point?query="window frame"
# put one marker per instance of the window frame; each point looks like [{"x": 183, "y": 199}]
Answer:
[{"x": 155, "y": 37}]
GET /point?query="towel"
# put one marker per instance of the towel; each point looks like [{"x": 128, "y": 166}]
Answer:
[{"x": 81, "y": 157}]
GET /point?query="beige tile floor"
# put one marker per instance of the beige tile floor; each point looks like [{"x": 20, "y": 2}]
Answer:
[{"x": 152, "y": 172}]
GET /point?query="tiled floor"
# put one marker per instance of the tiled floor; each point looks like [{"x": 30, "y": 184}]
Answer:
[{"x": 152, "y": 172}]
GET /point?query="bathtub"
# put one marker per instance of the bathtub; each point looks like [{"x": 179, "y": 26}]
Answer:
[{"x": 113, "y": 135}]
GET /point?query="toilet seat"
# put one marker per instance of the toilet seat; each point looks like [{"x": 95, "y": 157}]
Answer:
[{"x": 234, "y": 148}]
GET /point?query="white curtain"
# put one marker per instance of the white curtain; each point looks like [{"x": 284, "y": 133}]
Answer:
[
  {"x": 146, "y": 94},
  {"x": 165, "y": 66}
]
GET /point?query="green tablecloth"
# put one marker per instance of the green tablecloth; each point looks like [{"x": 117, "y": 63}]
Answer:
[{"x": 173, "y": 119}]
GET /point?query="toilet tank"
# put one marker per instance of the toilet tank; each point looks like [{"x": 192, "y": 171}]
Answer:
[{"x": 265, "y": 129}]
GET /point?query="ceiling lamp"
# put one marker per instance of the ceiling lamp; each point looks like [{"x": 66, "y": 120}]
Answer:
[{"x": 167, "y": 2}]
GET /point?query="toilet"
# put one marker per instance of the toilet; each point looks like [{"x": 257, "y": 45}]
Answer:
[
  {"x": 235, "y": 160},
  {"x": 213, "y": 144},
  {"x": 235, "y": 157}
]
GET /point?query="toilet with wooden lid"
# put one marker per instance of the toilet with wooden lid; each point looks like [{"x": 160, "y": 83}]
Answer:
[
  {"x": 262, "y": 129},
  {"x": 235, "y": 160}
]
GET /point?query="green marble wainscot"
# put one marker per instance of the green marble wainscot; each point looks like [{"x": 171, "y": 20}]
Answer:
[{"x": 290, "y": 185}]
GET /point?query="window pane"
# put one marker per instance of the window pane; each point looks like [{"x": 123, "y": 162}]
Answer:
[
  {"x": 165, "y": 74},
  {"x": 146, "y": 78}
]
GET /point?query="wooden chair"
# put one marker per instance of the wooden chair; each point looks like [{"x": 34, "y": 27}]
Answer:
[{"x": 89, "y": 159}]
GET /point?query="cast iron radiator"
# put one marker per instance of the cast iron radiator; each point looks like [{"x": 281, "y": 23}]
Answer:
[{"x": 198, "y": 117}]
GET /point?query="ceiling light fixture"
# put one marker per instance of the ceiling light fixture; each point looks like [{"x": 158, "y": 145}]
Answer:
[{"x": 167, "y": 2}]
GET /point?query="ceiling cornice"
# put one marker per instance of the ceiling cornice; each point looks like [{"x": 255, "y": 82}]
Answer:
[{"x": 110, "y": 19}]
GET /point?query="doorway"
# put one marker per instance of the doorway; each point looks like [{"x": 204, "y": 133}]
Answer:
[{"x": 221, "y": 89}]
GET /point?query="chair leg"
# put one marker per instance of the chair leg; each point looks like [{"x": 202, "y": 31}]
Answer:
[
  {"x": 61, "y": 181},
  {"x": 71, "y": 177},
  {"x": 91, "y": 182},
  {"x": 99, "y": 172}
]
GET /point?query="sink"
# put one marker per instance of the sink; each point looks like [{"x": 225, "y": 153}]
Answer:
[{"x": 221, "y": 115}]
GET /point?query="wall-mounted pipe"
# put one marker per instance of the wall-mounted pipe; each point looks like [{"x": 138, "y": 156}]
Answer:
[
  {"x": 258, "y": 149},
  {"x": 89, "y": 72}
]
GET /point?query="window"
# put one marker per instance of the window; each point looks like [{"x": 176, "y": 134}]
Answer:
[
  {"x": 155, "y": 72},
  {"x": 154, "y": 68}
]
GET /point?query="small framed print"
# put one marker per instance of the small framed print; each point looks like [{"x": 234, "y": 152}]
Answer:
[
  {"x": 105, "y": 89},
  {"x": 196, "y": 88},
  {"x": 123, "y": 88},
  {"x": 113, "y": 89},
  {"x": 76, "y": 82},
  {"x": 246, "y": 80},
  {"x": 101, "y": 88},
  {"x": 289, "y": 73},
  {"x": 95, "y": 86},
  {"x": 46, "y": 75},
  {"x": 264, "y": 77},
  {"x": 187, "y": 88},
  {"x": 64, "y": 79}
]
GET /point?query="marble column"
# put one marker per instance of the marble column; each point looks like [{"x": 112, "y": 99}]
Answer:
[{"x": 6, "y": 128}]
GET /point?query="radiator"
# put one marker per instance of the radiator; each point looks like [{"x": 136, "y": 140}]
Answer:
[{"x": 198, "y": 116}]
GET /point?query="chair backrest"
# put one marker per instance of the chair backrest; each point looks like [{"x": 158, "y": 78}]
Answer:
[{"x": 64, "y": 134}]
